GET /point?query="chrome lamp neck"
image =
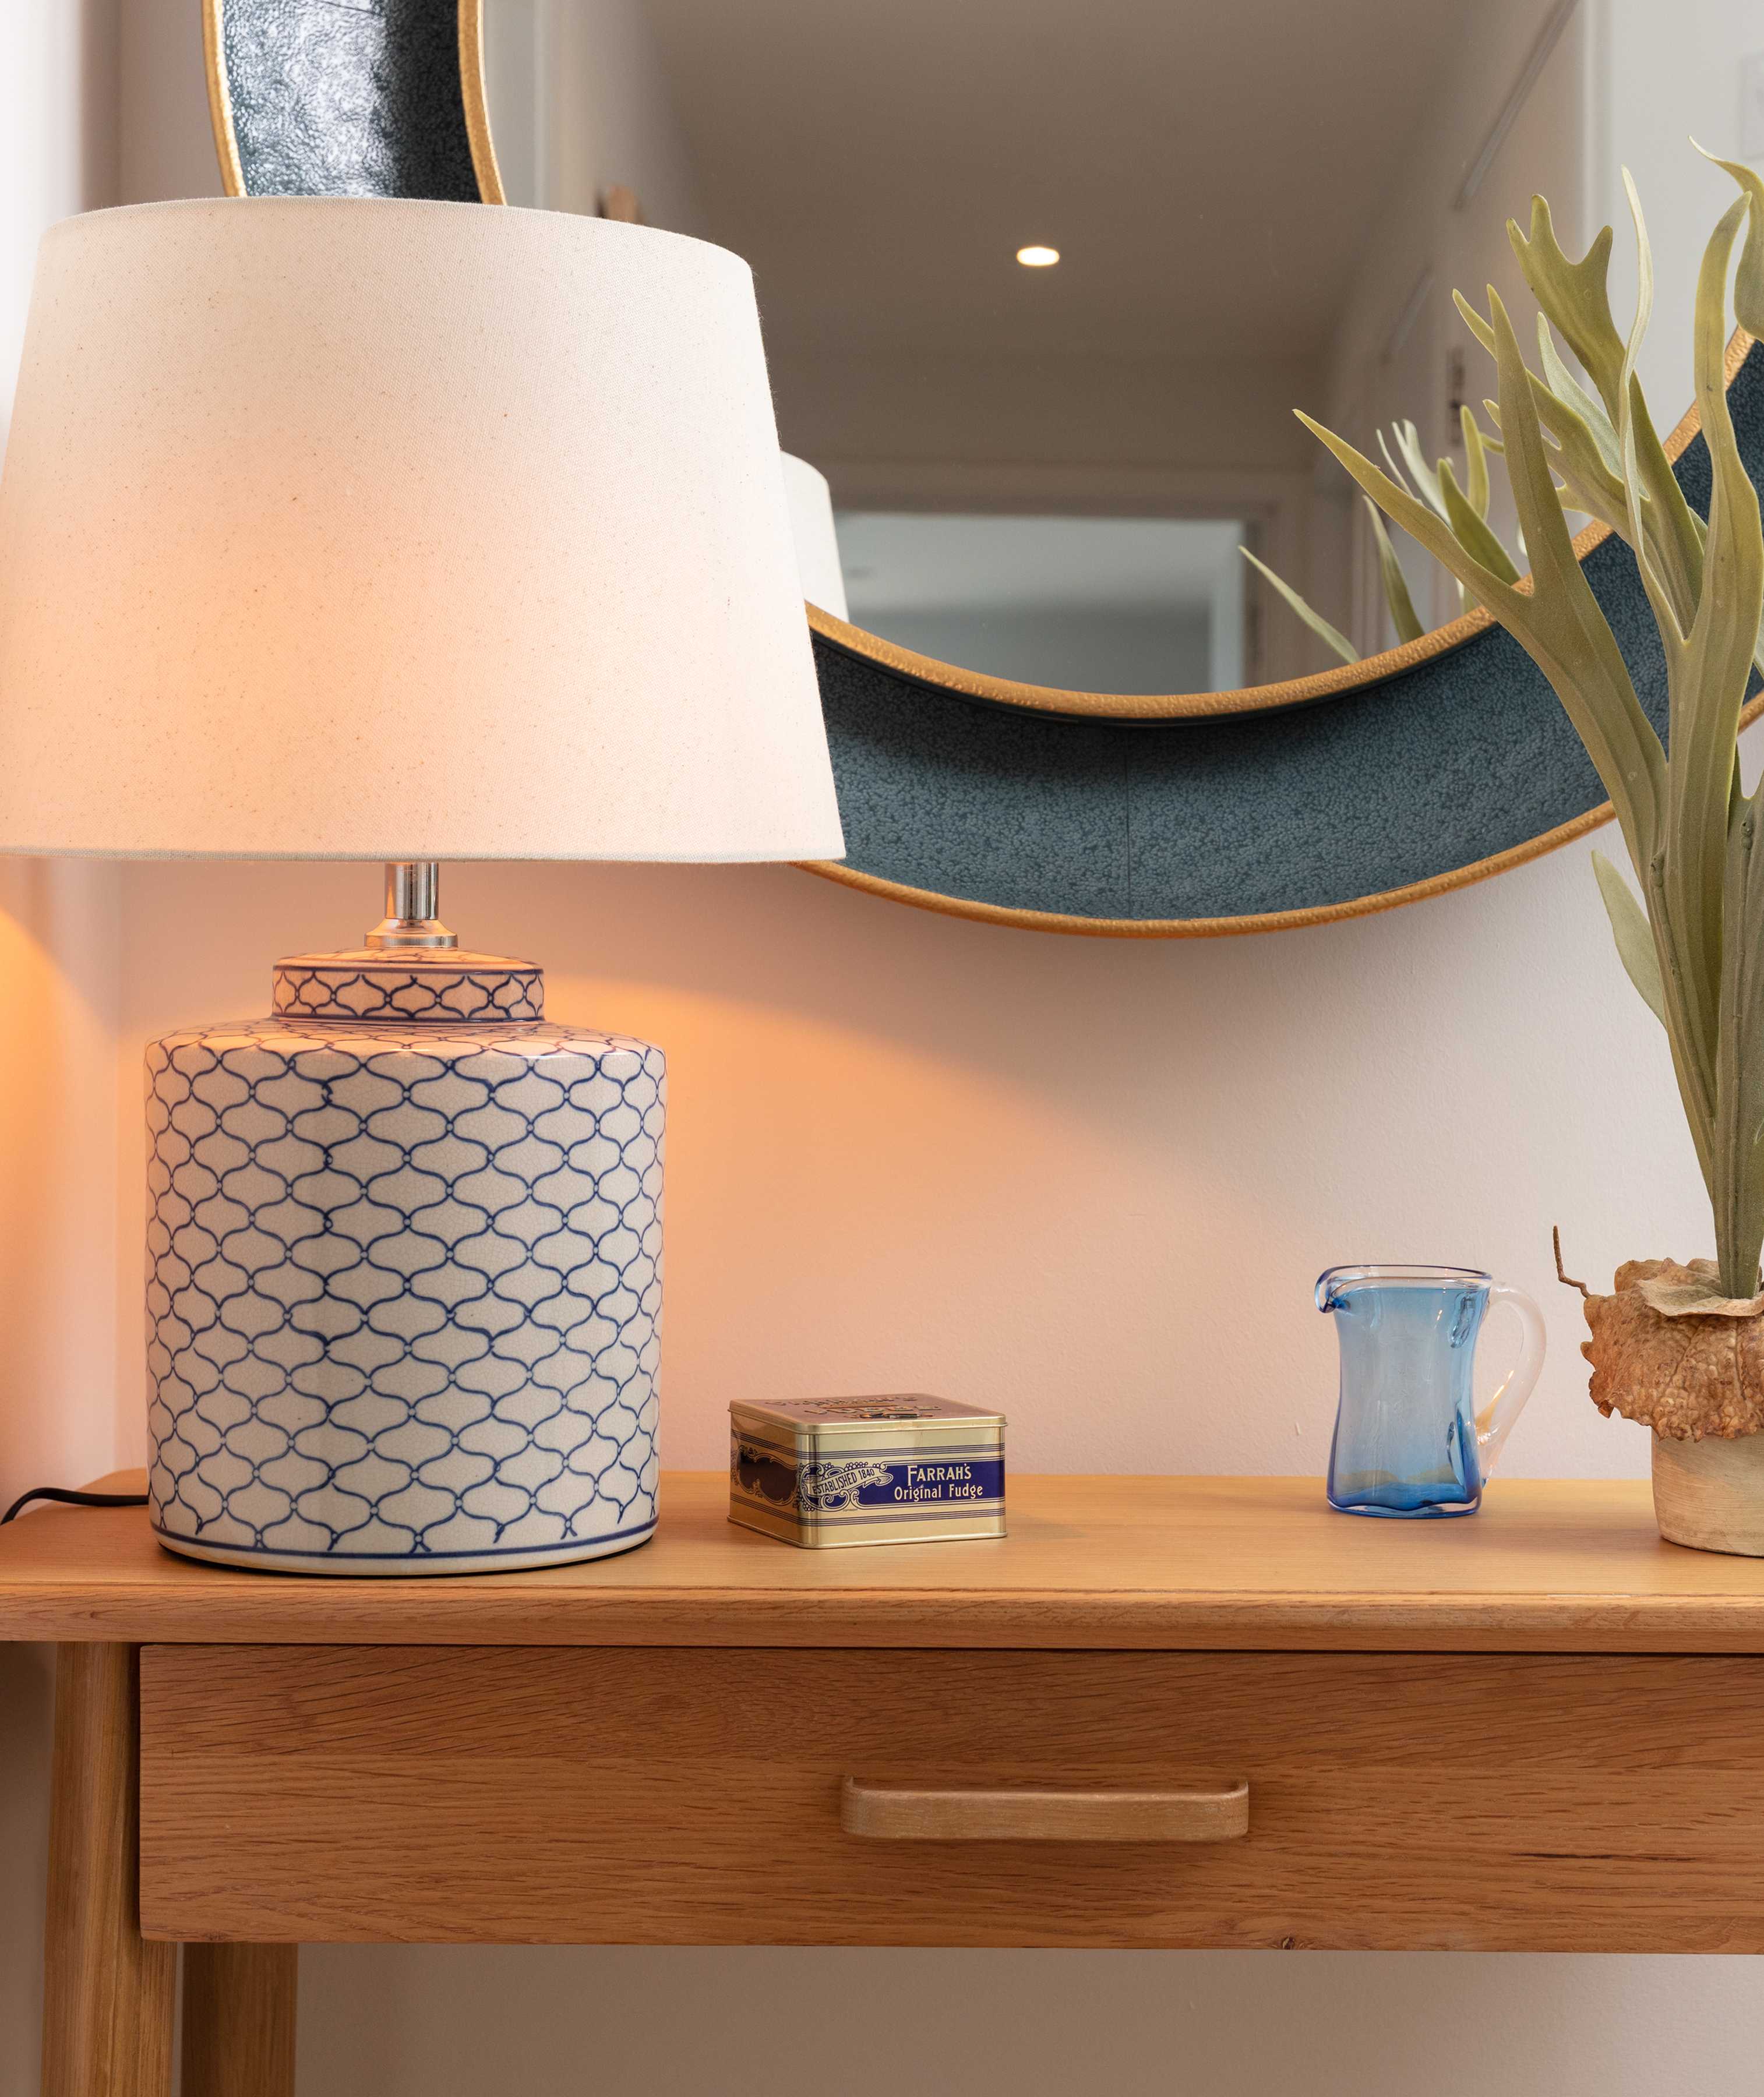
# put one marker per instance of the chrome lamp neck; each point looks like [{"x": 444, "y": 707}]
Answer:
[{"x": 413, "y": 901}]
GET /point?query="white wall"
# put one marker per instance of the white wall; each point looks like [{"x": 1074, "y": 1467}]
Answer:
[
  {"x": 1094, "y": 1180},
  {"x": 1039, "y": 2023},
  {"x": 165, "y": 145},
  {"x": 896, "y": 1163},
  {"x": 59, "y": 981}
]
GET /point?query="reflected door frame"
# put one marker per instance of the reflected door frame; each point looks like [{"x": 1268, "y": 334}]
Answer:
[{"x": 1279, "y": 503}]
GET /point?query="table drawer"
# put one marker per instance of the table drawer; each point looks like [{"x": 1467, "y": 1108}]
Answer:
[{"x": 694, "y": 1795}]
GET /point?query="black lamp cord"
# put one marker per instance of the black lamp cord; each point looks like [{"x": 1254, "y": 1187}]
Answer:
[{"x": 71, "y": 1499}]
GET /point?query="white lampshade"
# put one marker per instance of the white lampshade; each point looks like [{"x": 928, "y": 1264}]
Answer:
[
  {"x": 352, "y": 528},
  {"x": 817, "y": 543}
]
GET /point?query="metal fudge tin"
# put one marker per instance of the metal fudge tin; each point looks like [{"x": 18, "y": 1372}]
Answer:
[{"x": 904, "y": 1469}]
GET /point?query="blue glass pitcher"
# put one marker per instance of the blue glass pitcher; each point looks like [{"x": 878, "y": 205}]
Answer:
[{"x": 1408, "y": 1439}]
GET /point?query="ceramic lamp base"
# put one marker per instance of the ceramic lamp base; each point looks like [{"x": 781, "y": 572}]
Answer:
[
  {"x": 368, "y": 1565},
  {"x": 404, "y": 1276}
]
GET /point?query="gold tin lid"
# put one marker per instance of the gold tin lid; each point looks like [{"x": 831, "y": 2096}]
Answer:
[{"x": 807, "y": 1422}]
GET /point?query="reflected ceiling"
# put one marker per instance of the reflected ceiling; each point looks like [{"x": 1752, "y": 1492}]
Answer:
[{"x": 1203, "y": 169}]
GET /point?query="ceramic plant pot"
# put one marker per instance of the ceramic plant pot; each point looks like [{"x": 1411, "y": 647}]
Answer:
[
  {"x": 1710, "y": 1494},
  {"x": 1669, "y": 1351}
]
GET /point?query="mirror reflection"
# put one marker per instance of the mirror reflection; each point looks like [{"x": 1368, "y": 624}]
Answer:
[{"x": 1042, "y": 280}]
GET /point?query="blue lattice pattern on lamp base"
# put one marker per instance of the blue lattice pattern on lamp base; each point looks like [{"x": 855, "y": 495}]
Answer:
[
  {"x": 404, "y": 1294},
  {"x": 447, "y": 987}
]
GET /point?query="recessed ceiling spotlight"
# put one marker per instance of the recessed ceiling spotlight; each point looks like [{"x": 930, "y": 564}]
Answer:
[{"x": 1037, "y": 258}]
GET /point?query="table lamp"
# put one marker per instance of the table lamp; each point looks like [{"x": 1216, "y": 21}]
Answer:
[{"x": 359, "y": 529}]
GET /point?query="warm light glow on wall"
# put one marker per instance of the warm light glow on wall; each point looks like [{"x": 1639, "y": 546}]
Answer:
[{"x": 1037, "y": 258}]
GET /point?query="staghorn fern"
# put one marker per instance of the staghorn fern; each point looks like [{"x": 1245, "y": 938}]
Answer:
[
  {"x": 1693, "y": 945},
  {"x": 1331, "y": 636},
  {"x": 1438, "y": 487}
]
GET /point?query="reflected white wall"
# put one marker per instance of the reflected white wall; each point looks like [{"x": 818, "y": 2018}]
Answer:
[
  {"x": 1225, "y": 629},
  {"x": 1400, "y": 348},
  {"x": 1659, "y": 77},
  {"x": 578, "y": 104},
  {"x": 1085, "y": 603}
]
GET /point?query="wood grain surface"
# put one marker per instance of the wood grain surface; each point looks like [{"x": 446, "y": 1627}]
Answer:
[
  {"x": 239, "y": 2019},
  {"x": 107, "y": 1995},
  {"x": 1516, "y": 1802},
  {"x": 1548, "y": 1565}
]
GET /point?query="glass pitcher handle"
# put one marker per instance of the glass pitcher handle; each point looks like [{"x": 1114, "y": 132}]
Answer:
[{"x": 1494, "y": 1423}]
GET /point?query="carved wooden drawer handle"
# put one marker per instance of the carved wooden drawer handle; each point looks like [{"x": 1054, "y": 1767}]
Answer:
[{"x": 909, "y": 1813}]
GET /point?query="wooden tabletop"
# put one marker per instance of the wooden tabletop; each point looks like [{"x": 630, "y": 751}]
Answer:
[{"x": 1548, "y": 1565}]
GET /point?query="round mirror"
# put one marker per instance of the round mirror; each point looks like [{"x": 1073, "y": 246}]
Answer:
[{"x": 1105, "y": 643}]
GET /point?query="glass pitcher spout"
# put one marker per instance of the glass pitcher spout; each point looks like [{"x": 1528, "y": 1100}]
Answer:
[{"x": 1409, "y": 1440}]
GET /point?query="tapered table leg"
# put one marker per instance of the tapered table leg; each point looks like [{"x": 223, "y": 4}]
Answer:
[
  {"x": 108, "y": 1993},
  {"x": 239, "y": 2019}
]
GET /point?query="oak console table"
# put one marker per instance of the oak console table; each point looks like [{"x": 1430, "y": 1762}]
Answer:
[{"x": 1162, "y": 1711}]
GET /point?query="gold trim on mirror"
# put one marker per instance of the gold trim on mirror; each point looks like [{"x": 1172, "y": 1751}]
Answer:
[
  {"x": 1143, "y": 707},
  {"x": 220, "y": 100},
  {"x": 473, "y": 81}
]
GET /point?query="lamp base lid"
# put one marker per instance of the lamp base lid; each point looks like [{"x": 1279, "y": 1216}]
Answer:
[{"x": 413, "y": 986}]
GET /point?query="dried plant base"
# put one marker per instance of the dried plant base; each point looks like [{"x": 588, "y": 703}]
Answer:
[
  {"x": 1696, "y": 1376},
  {"x": 1710, "y": 1494},
  {"x": 1690, "y": 1376}
]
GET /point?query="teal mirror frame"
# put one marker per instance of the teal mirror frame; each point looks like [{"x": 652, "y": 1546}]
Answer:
[{"x": 1382, "y": 783}]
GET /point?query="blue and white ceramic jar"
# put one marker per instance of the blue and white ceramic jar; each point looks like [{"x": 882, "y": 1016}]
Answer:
[{"x": 404, "y": 1284}]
